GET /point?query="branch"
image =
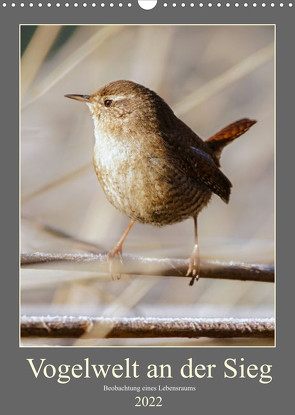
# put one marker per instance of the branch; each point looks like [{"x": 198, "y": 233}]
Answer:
[
  {"x": 74, "y": 327},
  {"x": 148, "y": 266}
]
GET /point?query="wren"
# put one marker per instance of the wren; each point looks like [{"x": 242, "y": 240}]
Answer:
[{"x": 150, "y": 164}]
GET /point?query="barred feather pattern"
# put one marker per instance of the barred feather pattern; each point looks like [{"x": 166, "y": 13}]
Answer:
[{"x": 151, "y": 165}]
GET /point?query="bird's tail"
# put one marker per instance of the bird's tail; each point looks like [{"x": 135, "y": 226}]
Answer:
[{"x": 225, "y": 136}]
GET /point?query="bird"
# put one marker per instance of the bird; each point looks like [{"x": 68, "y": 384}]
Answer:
[{"x": 150, "y": 164}]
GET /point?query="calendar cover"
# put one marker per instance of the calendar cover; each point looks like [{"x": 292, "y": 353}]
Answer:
[{"x": 146, "y": 239}]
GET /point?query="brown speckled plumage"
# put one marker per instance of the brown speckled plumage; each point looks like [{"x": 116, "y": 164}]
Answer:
[{"x": 151, "y": 165}]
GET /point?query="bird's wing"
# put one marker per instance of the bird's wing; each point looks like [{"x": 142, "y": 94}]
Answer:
[{"x": 199, "y": 165}]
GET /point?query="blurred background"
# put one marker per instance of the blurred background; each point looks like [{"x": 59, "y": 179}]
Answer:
[{"x": 210, "y": 76}]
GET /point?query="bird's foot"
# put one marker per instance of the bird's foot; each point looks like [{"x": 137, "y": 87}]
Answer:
[
  {"x": 194, "y": 266},
  {"x": 113, "y": 256},
  {"x": 116, "y": 253}
]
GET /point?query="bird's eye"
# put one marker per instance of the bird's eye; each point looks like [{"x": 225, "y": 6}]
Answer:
[{"x": 108, "y": 103}]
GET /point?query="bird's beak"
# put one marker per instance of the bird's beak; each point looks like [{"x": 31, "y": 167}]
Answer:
[{"x": 83, "y": 98}]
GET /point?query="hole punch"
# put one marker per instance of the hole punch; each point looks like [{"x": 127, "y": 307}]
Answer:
[{"x": 147, "y": 4}]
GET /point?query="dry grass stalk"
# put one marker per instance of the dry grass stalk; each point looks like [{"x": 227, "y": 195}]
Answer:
[
  {"x": 101, "y": 36},
  {"x": 36, "y": 53},
  {"x": 72, "y": 175},
  {"x": 222, "y": 81}
]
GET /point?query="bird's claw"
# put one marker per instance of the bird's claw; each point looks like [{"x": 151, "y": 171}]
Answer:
[
  {"x": 113, "y": 255},
  {"x": 116, "y": 252},
  {"x": 193, "y": 269}
]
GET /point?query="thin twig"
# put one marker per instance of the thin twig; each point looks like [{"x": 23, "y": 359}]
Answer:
[
  {"x": 73, "y": 327},
  {"x": 148, "y": 266}
]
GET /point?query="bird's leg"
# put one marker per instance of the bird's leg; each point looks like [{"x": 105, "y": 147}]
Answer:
[
  {"x": 194, "y": 263},
  {"x": 117, "y": 251}
]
